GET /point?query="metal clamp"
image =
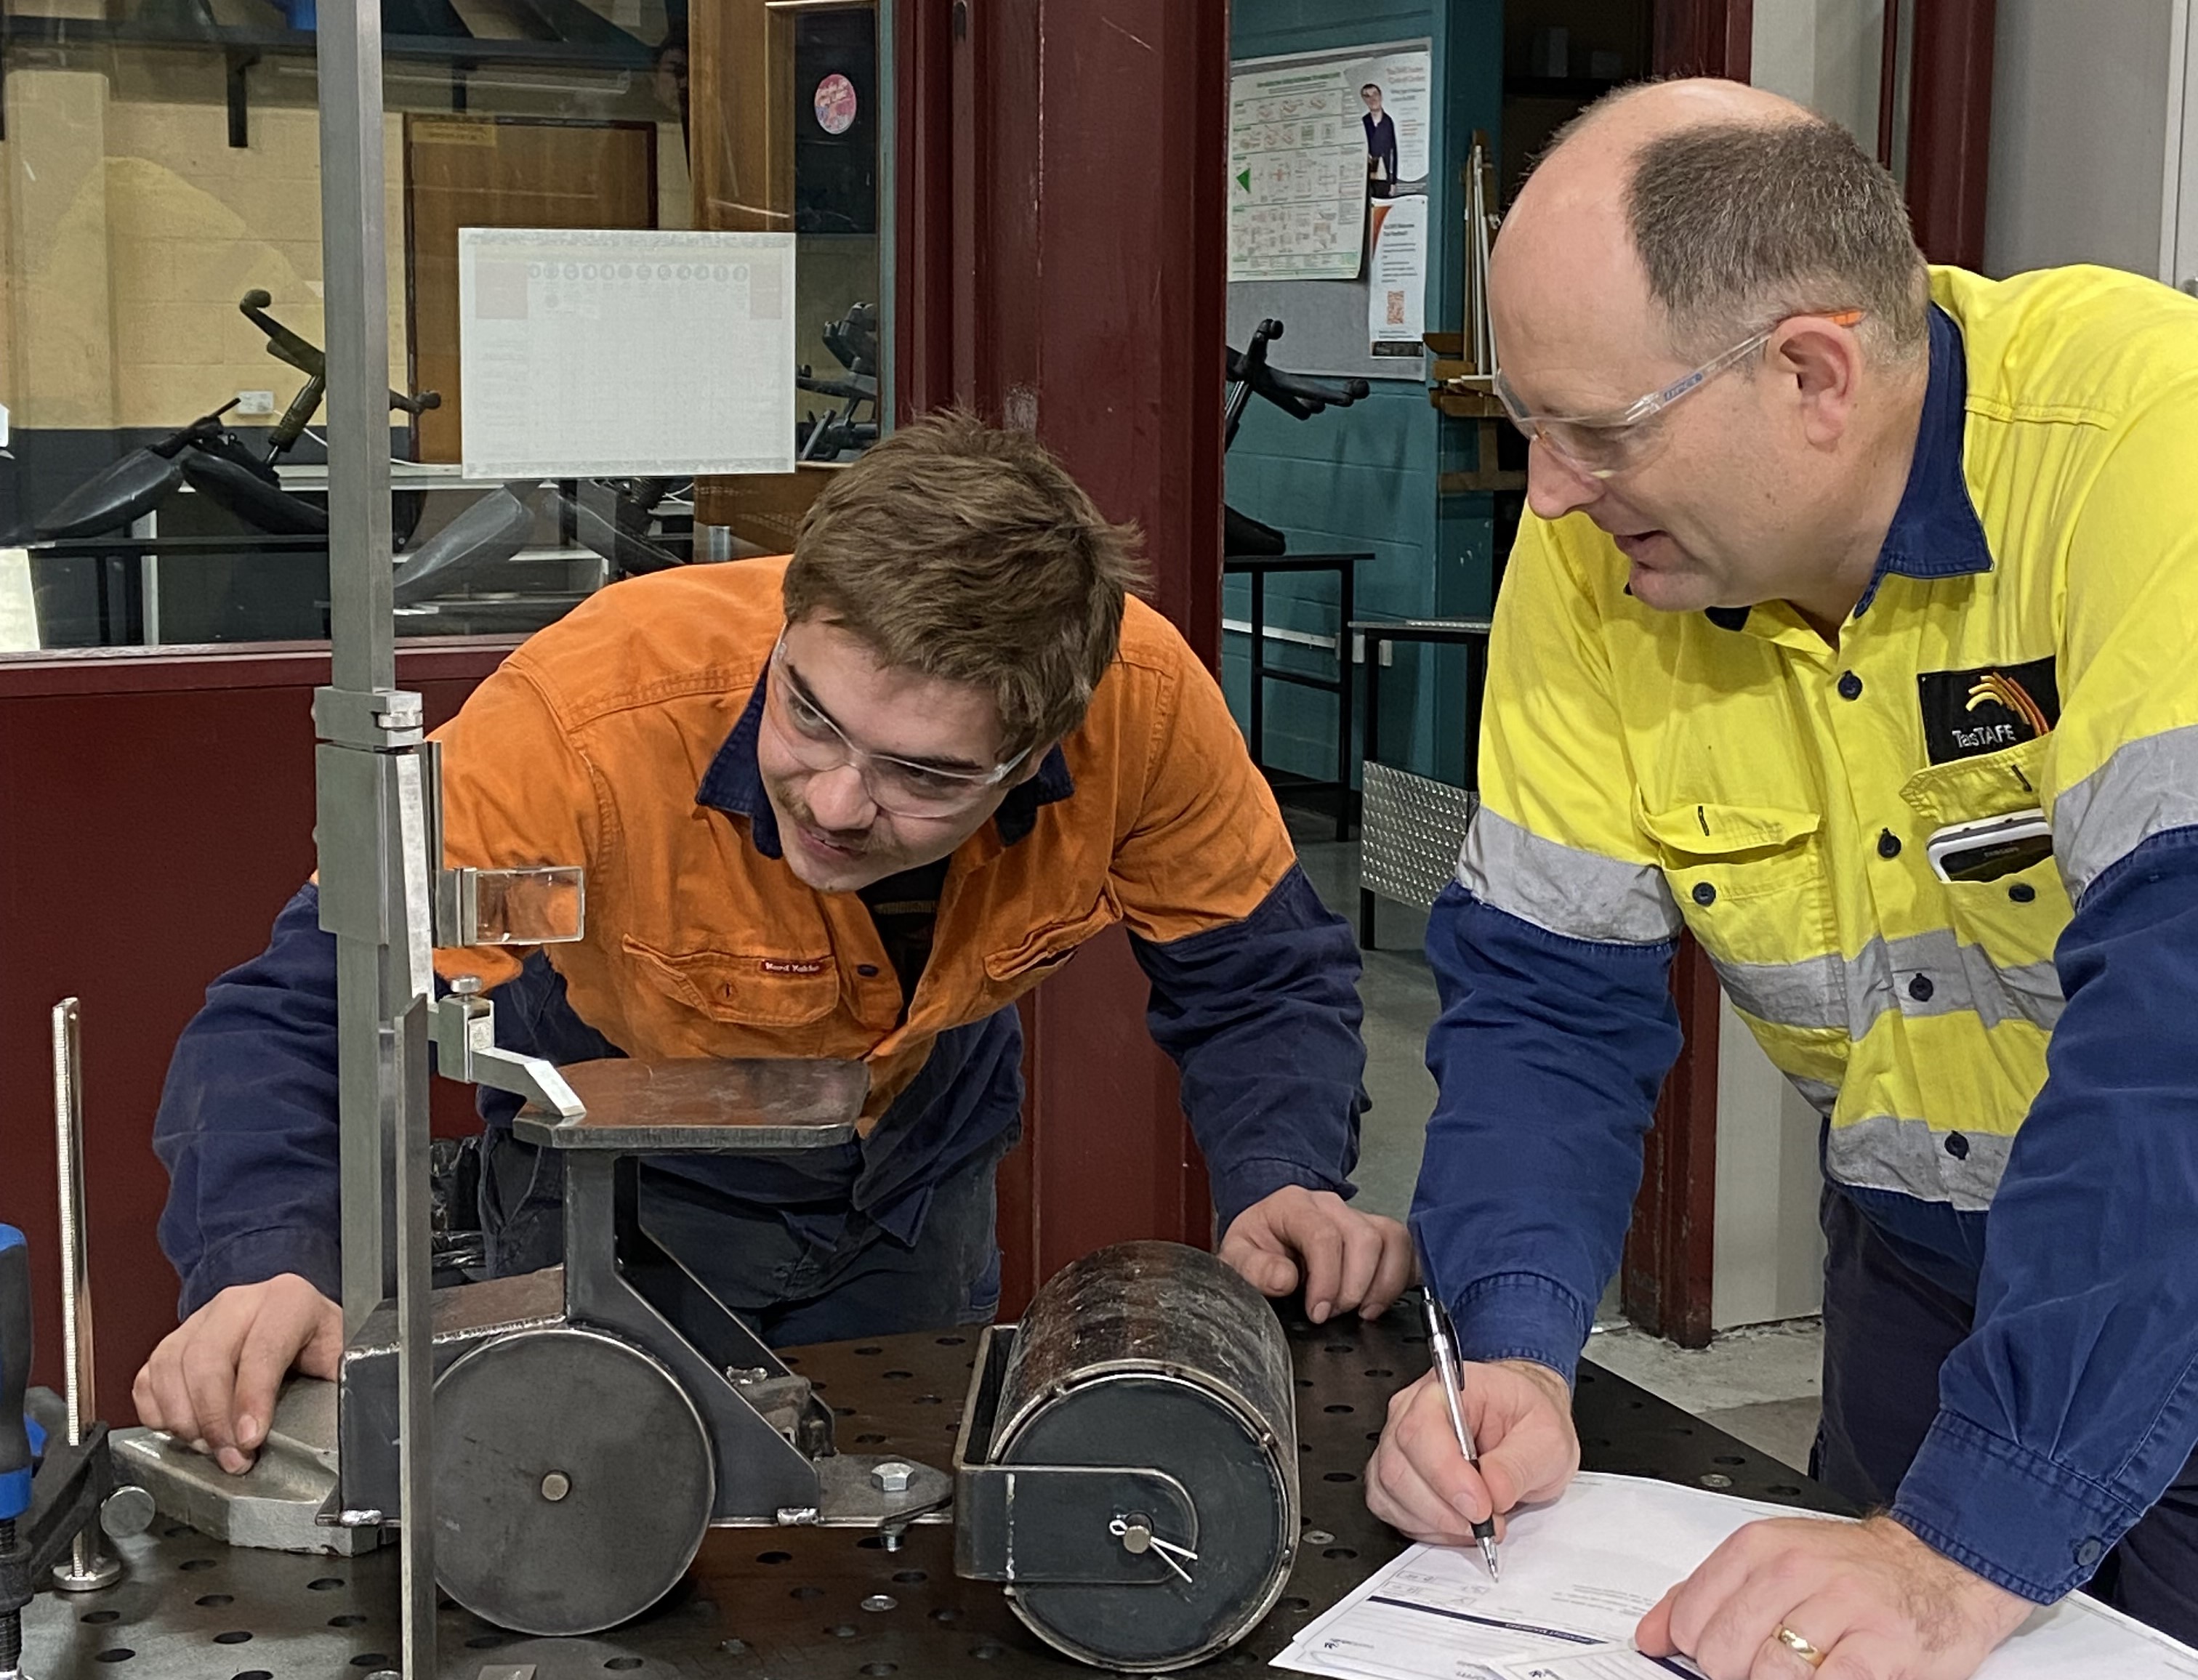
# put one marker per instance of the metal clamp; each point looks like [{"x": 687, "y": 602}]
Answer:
[
  {"x": 378, "y": 720},
  {"x": 463, "y": 1025},
  {"x": 1032, "y": 1523}
]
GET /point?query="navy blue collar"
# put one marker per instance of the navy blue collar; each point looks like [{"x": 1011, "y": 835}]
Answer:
[
  {"x": 1935, "y": 532},
  {"x": 733, "y": 785}
]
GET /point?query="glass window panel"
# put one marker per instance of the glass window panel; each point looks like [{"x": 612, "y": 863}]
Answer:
[{"x": 163, "y": 476}]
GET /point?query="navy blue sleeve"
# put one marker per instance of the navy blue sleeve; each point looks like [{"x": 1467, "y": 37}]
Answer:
[
  {"x": 246, "y": 1126},
  {"x": 2075, "y": 1401},
  {"x": 1548, "y": 1053},
  {"x": 1262, "y": 1016}
]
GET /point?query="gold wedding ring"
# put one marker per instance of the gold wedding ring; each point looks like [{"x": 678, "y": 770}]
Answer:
[{"x": 1799, "y": 1646}]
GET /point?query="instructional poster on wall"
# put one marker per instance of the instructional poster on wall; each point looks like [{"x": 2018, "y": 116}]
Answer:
[
  {"x": 1297, "y": 200},
  {"x": 1328, "y": 164},
  {"x": 612, "y": 354},
  {"x": 1395, "y": 89}
]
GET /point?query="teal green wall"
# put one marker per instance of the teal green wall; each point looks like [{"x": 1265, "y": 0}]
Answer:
[{"x": 1364, "y": 477}]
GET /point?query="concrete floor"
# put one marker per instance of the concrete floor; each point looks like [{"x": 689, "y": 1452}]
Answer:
[{"x": 1760, "y": 1384}]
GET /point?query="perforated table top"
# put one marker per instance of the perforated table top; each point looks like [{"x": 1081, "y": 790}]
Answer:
[{"x": 794, "y": 1603}]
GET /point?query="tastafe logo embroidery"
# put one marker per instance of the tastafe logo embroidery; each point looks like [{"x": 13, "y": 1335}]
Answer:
[
  {"x": 2008, "y": 696},
  {"x": 1969, "y": 713}
]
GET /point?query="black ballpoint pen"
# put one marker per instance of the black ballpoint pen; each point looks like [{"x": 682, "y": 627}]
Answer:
[{"x": 1443, "y": 1341}]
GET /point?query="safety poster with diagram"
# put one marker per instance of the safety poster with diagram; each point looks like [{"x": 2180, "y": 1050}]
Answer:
[
  {"x": 1297, "y": 174},
  {"x": 1328, "y": 177}
]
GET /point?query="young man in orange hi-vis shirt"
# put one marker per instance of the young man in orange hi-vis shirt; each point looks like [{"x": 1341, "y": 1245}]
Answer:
[{"x": 852, "y": 805}]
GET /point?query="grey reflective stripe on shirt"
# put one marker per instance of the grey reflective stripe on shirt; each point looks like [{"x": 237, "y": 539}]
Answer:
[
  {"x": 1561, "y": 889},
  {"x": 2149, "y": 786},
  {"x": 1886, "y": 1153},
  {"x": 1847, "y": 994}
]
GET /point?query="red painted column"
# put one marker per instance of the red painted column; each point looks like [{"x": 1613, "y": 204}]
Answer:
[
  {"x": 1950, "y": 128},
  {"x": 1672, "y": 1249},
  {"x": 1061, "y": 259},
  {"x": 1703, "y": 38}
]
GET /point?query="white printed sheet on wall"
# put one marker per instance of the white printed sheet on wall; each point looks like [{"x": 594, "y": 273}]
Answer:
[{"x": 610, "y": 354}]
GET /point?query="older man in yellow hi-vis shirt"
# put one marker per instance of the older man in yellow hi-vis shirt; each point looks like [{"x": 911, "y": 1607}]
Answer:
[{"x": 1860, "y": 645}]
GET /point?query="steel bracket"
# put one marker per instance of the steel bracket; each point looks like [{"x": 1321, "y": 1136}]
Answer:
[{"x": 375, "y": 720}]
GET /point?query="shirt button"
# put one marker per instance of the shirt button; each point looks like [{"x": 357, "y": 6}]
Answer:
[
  {"x": 1889, "y": 843},
  {"x": 1958, "y": 1146},
  {"x": 2089, "y": 1552},
  {"x": 866, "y": 970},
  {"x": 1850, "y": 686},
  {"x": 2022, "y": 893},
  {"x": 1704, "y": 894},
  {"x": 1920, "y": 988}
]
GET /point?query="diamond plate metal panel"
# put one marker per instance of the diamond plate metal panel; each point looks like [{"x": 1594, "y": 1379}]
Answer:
[{"x": 1410, "y": 829}]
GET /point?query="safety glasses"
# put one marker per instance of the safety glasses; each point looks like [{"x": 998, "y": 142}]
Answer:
[
  {"x": 1622, "y": 441},
  {"x": 901, "y": 786}
]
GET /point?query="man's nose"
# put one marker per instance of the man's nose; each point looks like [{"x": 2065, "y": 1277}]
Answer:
[
  {"x": 840, "y": 799},
  {"x": 1554, "y": 487}
]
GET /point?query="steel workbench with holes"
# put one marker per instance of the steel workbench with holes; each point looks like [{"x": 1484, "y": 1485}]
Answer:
[{"x": 794, "y": 1603}]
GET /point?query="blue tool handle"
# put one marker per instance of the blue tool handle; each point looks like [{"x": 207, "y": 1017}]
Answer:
[{"x": 15, "y": 1373}]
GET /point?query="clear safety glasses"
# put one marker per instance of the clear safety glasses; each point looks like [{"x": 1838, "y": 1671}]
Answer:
[
  {"x": 901, "y": 786},
  {"x": 1621, "y": 441}
]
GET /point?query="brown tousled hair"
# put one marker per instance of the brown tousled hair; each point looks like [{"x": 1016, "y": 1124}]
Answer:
[{"x": 966, "y": 553}]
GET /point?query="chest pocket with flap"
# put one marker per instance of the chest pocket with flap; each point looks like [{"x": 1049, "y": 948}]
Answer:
[
  {"x": 2015, "y": 919},
  {"x": 735, "y": 987},
  {"x": 1749, "y": 880},
  {"x": 1022, "y": 965}
]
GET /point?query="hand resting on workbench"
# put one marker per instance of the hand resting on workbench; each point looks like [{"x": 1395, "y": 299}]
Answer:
[
  {"x": 212, "y": 1383},
  {"x": 1345, "y": 1259}
]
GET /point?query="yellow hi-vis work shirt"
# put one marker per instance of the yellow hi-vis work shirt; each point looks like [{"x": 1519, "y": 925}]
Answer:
[{"x": 2026, "y": 645}]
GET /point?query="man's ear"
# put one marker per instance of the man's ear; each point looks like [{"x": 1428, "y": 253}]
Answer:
[{"x": 1822, "y": 364}]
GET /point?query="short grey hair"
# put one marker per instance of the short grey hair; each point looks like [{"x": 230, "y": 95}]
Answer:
[{"x": 1739, "y": 225}]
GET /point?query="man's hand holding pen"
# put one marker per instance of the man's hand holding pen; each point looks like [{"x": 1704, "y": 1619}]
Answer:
[{"x": 1521, "y": 1417}]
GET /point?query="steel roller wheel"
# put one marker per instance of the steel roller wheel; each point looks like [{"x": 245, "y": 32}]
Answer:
[{"x": 573, "y": 1481}]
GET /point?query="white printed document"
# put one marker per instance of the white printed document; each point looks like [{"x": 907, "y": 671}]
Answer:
[
  {"x": 606, "y": 353},
  {"x": 1578, "y": 1575}
]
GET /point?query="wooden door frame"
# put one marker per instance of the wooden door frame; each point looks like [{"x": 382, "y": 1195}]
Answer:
[{"x": 1950, "y": 127}]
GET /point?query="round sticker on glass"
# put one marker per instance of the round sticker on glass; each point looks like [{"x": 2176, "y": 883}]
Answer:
[{"x": 835, "y": 104}]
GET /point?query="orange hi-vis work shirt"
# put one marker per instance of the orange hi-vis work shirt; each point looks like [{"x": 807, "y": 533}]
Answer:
[{"x": 623, "y": 739}]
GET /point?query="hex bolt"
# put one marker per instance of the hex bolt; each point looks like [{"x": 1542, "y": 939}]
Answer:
[{"x": 892, "y": 1476}]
